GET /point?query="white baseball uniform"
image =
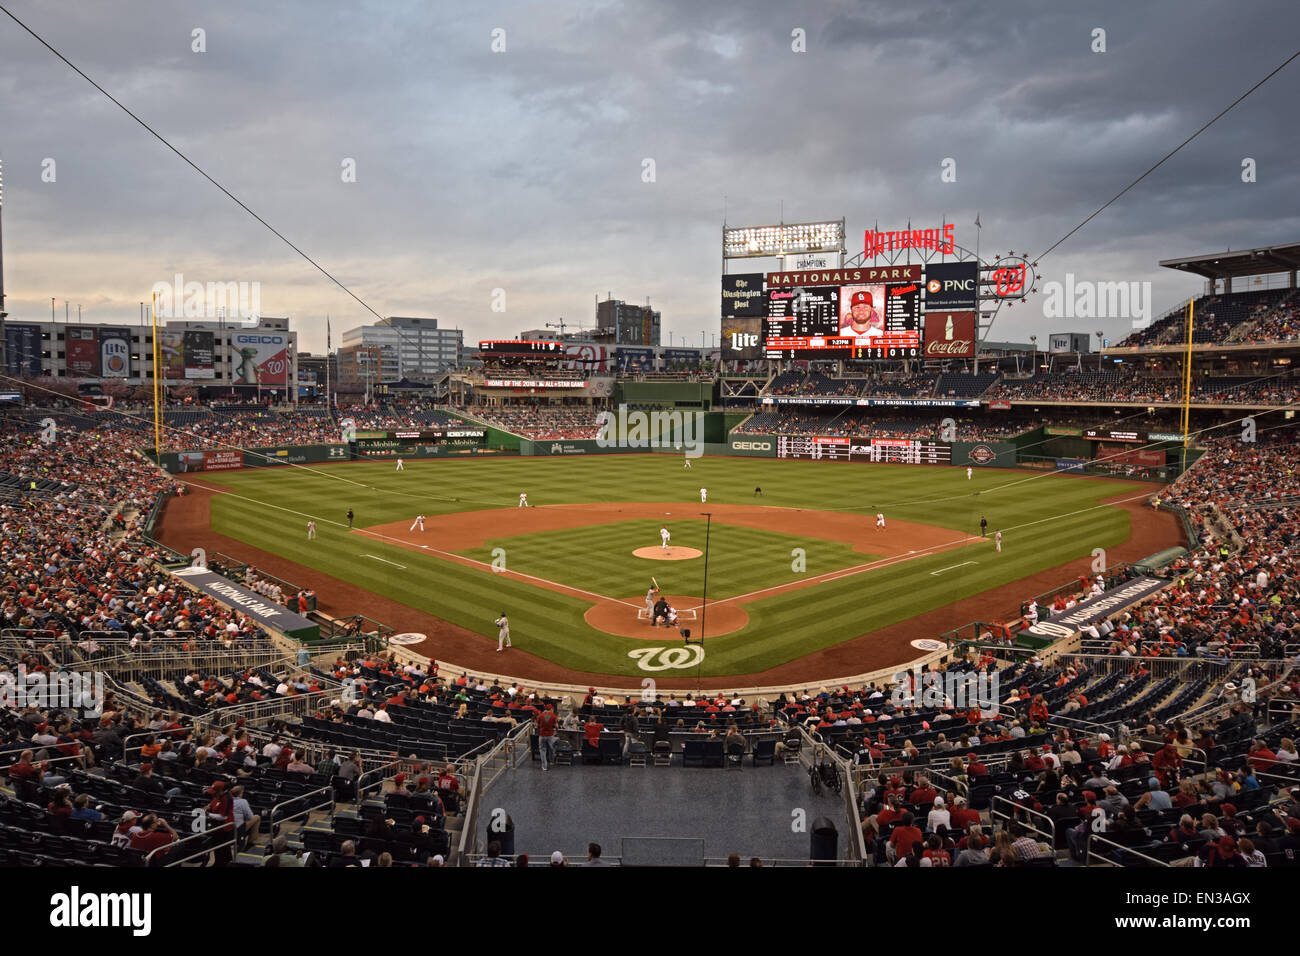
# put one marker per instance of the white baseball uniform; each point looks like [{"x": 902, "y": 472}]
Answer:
[
  {"x": 880, "y": 519},
  {"x": 419, "y": 520},
  {"x": 650, "y": 604},
  {"x": 663, "y": 533},
  {"x": 503, "y": 631},
  {"x": 688, "y": 463},
  {"x": 997, "y": 539},
  {"x": 523, "y": 500},
  {"x": 311, "y": 530},
  {"x": 704, "y": 495},
  {"x": 969, "y": 471},
  {"x": 400, "y": 465}
]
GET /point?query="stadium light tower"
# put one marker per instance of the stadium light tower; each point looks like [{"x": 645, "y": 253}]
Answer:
[
  {"x": 1100, "y": 333},
  {"x": 1033, "y": 340},
  {"x": 4, "y": 364}
]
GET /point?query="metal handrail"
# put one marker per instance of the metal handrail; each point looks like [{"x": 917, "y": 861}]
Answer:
[
  {"x": 148, "y": 859},
  {"x": 1097, "y": 837},
  {"x": 1049, "y": 834},
  {"x": 302, "y": 796}
]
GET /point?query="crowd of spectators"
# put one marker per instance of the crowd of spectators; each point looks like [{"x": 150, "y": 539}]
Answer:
[
  {"x": 540, "y": 422},
  {"x": 873, "y": 423},
  {"x": 1262, "y": 317}
]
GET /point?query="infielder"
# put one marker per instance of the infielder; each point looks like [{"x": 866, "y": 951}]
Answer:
[
  {"x": 663, "y": 533},
  {"x": 704, "y": 495},
  {"x": 997, "y": 541},
  {"x": 401, "y": 466},
  {"x": 523, "y": 499},
  {"x": 880, "y": 519},
  {"x": 969, "y": 472},
  {"x": 503, "y": 631},
  {"x": 311, "y": 531},
  {"x": 419, "y": 520}
]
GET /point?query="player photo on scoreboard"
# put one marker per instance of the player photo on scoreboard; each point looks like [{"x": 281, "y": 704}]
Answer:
[{"x": 862, "y": 312}]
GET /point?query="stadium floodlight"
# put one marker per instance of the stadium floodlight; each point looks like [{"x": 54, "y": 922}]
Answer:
[{"x": 749, "y": 242}]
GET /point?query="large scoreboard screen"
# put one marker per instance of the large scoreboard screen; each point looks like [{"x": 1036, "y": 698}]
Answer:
[
  {"x": 853, "y": 313},
  {"x": 901, "y": 451}
]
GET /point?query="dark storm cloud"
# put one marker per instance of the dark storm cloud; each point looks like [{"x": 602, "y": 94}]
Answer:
[{"x": 522, "y": 170}]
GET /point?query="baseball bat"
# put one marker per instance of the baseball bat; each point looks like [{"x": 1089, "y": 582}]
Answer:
[{"x": 654, "y": 582}]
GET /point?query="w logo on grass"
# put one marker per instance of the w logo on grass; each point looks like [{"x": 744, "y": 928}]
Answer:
[
  {"x": 637, "y": 429},
  {"x": 667, "y": 658}
]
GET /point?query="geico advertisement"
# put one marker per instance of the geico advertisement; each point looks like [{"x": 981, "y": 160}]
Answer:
[{"x": 260, "y": 358}]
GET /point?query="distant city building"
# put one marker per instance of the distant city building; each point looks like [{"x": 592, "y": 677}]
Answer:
[
  {"x": 621, "y": 323},
  {"x": 412, "y": 348}
]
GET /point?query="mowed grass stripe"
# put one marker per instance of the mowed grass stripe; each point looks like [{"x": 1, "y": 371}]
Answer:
[
  {"x": 601, "y": 559},
  {"x": 742, "y": 560}
]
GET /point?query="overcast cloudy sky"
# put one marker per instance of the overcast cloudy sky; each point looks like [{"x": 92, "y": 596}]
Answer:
[{"x": 522, "y": 169}]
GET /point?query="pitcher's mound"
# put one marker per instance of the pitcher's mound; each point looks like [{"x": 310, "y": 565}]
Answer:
[{"x": 669, "y": 554}]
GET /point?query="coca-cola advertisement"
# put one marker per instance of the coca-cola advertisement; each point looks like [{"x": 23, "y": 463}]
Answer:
[{"x": 950, "y": 335}]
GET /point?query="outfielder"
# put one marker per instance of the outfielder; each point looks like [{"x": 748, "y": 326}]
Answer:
[
  {"x": 663, "y": 533},
  {"x": 523, "y": 499},
  {"x": 969, "y": 471},
  {"x": 880, "y": 519},
  {"x": 704, "y": 495},
  {"x": 688, "y": 462},
  {"x": 419, "y": 520},
  {"x": 997, "y": 540},
  {"x": 401, "y": 466},
  {"x": 311, "y": 530},
  {"x": 503, "y": 631}
]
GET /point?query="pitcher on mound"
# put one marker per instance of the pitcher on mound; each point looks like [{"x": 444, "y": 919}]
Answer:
[{"x": 663, "y": 533}]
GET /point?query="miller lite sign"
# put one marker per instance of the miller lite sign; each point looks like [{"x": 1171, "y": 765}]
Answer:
[
  {"x": 115, "y": 353},
  {"x": 949, "y": 335}
]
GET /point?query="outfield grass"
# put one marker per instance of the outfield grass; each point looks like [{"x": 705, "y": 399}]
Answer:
[{"x": 1046, "y": 519}]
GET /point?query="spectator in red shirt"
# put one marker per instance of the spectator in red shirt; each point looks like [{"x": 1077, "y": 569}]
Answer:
[
  {"x": 1261, "y": 758},
  {"x": 154, "y": 832},
  {"x": 903, "y": 836},
  {"x": 447, "y": 780},
  {"x": 962, "y": 816},
  {"x": 546, "y": 726},
  {"x": 975, "y": 767},
  {"x": 591, "y": 730},
  {"x": 935, "y": 853}
]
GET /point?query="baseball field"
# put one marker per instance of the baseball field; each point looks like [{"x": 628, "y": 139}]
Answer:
[{"x": 799, "y": 569}]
